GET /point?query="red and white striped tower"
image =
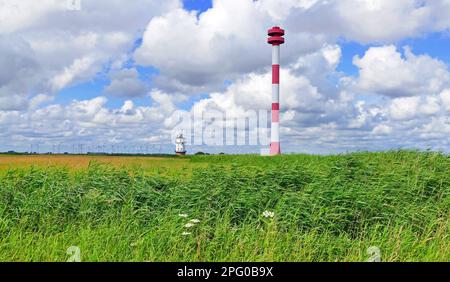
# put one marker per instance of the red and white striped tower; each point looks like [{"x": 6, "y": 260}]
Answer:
[{"x": 276, "y": 39}]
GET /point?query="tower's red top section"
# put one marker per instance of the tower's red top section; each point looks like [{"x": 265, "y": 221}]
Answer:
[{"x": 276, "y": 36}]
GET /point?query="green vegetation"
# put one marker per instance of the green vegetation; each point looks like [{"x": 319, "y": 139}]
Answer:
[{"x": 330, "y": 208}]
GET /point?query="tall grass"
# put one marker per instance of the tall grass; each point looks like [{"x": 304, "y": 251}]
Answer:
[{"x": 326, "y": 209}]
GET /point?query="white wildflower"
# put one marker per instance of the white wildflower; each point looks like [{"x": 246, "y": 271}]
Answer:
[
  {"x": 186, "y": 233},
  {"x": 268, "y": 214},
  {"x": 189, "y": 225},
  {"x": 183, "y": 215},
  {"x": 195, "y": 221}
]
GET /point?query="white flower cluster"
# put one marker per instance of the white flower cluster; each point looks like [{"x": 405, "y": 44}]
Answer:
[
  {"x": 190, "y": 224},
  {"x": 268, "y": 214}
]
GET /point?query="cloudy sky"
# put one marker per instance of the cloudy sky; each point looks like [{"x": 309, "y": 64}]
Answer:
[{"x": 356, "y": 74}]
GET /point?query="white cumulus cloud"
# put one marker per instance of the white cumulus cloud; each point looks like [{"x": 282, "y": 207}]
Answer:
[{"x": 383, "y": 70}]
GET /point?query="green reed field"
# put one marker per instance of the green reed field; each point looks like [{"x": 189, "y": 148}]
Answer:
[{"x": 325, "y": 208}]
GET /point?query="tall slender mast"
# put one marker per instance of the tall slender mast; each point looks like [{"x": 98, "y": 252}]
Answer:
[{"x": 276, "y": 39}]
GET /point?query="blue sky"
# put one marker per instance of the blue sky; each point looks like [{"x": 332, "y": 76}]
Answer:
[
  {"x": 434, "y": 44},
  {"x": 121, "y": 80},
  {"x": 93, "y": 88},
  {"x": 197, "y": 5}
]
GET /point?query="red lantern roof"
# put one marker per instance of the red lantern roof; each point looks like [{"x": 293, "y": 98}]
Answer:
[
  {"x": 276, "y": 36},
  {"x": 276, "y": 31}
]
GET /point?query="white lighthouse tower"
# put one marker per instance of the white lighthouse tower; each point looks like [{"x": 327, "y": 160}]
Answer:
[{"x": 180, "y": 147}]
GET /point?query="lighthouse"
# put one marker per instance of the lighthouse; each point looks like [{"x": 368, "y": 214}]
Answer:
[
  {"x": 276, "y": 39},
  {"x": 180, "y": 148}
]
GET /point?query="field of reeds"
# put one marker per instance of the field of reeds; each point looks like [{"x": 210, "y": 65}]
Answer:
[{"x": 392, "y": 206}]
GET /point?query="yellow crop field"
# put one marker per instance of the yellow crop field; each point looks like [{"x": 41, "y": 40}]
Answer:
[{"x": 163, "y": 165}]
